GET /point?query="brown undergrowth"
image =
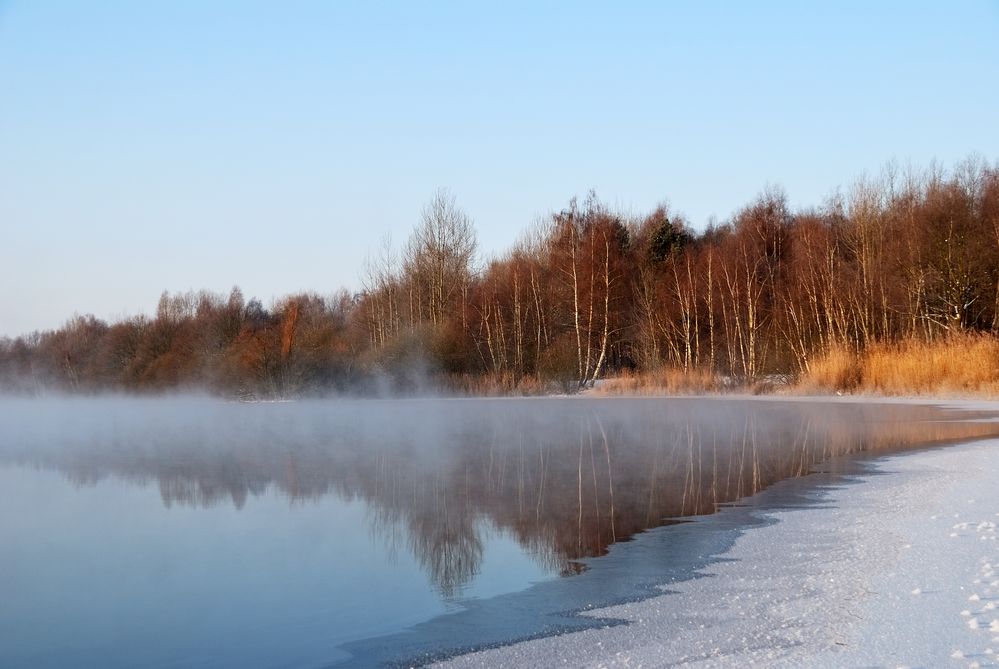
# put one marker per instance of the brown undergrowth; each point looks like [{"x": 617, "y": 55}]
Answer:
[
  {"x": 497, "y": 385},
  {"x": 664, "y": 381},
  {"x": 959, "y": 364}
]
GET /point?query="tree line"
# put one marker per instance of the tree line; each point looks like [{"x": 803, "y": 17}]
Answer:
[{"x": 586, "y": 293}]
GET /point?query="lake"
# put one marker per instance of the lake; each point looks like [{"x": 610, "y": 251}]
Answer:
[{"x": 193, "y": 532}]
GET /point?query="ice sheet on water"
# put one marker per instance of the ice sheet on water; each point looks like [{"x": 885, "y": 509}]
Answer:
[{"x": 820, "y": 587}]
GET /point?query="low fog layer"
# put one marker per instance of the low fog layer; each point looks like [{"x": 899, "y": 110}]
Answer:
[{"x": 566, "y": 477}]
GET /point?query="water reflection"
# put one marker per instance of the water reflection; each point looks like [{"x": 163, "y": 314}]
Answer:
[{"x": 567, "y": 478}]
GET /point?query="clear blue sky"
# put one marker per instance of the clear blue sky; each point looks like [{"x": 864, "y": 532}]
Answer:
[{"x": 150, "y": 146}]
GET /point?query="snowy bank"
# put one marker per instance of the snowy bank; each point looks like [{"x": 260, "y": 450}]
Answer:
[{"x": 900, "y": 568}]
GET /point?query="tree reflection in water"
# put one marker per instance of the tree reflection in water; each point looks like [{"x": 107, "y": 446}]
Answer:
[{"x": 565, "y": 477}]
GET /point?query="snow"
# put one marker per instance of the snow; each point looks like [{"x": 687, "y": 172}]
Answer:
[{"x": 896, "y": 569}]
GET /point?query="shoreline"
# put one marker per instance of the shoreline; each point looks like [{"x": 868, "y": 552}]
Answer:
[
  {"x": 878, "y": 573},
  {"x": 796, "y": 630}
]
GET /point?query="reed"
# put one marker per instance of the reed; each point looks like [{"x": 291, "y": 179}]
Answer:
[
  {"x": 496, "y": 385},
  {"x": 966, "y": 364},
  {"x": 663, "y": 381},
  {"x": 839, "y": 369}
]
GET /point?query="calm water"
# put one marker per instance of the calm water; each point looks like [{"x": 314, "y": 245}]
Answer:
[{"x": 199, "y": 533}]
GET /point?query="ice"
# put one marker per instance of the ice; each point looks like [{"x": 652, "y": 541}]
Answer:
[{"x": 820, "y": 586}]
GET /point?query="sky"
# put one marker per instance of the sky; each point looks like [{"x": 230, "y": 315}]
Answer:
[{"x": 182, "y": 144}]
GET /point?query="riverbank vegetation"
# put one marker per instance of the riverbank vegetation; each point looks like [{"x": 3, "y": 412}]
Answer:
[
  {"x": 890, "y": 287},
  {"x": 956, "y": 364}
]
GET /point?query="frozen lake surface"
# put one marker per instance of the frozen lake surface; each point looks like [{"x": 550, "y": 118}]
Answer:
[
  {"x": 194, "y": 532},
  {"x": 897, "y": 568}
]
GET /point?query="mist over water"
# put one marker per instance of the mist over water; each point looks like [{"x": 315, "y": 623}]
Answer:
[{"x": 190, "y": 529}]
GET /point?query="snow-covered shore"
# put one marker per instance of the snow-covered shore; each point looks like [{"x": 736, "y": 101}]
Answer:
[{"x": 900, "y": 568}]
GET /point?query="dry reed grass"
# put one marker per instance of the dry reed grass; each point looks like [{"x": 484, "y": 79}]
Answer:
[
  {"x": 663, "y": 381},
  {"x": 963, "y": 364},
  {"x": 497, "y": 385},
  {"x": 960, "y": 364},
  {"x": 839, "y": 369}
]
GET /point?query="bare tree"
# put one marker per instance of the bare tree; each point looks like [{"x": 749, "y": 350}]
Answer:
[{"x": 438, "y": 258}]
